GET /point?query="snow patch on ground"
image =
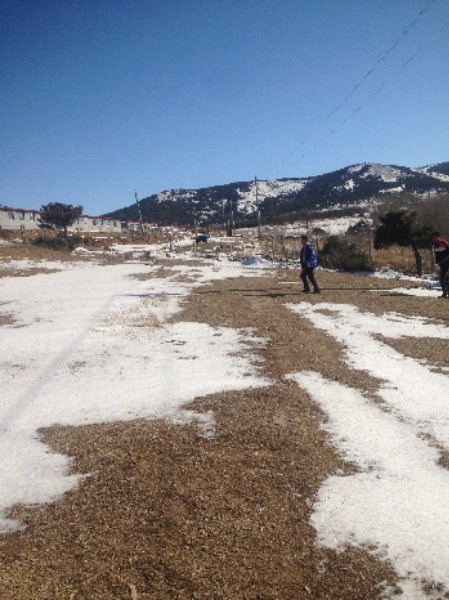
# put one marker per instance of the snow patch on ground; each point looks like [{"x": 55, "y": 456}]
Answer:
[
  {"x": 257, "y": 261},
  {"x": 396, "y": 505},
  {"x": 91, "y": 344}
]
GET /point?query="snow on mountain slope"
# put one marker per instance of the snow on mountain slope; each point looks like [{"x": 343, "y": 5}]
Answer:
[
  {"x": 429, "y": 171},
  {"x": 355, "y": 186},
  {"x": 273, "y": 188},
  {"x": 384, "y": 172}
]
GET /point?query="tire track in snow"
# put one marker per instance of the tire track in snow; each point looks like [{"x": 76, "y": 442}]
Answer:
[{"x": 42, "y": 379}]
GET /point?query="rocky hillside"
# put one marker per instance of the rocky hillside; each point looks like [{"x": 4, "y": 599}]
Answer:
[{"x": 346, "y": 191}]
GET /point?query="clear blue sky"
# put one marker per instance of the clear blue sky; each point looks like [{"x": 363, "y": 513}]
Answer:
[{"x": 101, "y": 97}]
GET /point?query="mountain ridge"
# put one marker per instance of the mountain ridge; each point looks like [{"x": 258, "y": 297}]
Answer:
[{"x": 350, "y": 189}]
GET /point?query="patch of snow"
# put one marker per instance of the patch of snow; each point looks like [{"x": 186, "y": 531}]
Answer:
[
  {"x": 395, "y": 190},
  {"x": 176, "y": 194},
  {"x": 416, "y": 291},
  {"x": 270, "y": 188},
  {"x": 384, "y": 172},
  {"x": 388, "y": 273},
  {"x": 257, "y": 261},
  {"x": 91, "y": 344},
  {"x": 428, "y": 171},
  {"x": 335, "y": 226},
  {"x": 395, "y": 506},
  {"x": 28, "y": 264},
  {"x": 356, "y": 168}
]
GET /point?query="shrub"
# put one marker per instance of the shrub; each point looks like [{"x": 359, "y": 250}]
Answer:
[
  {"x": 401, "y": 227},
  {"x": 339, "y": 253},
  {"x": 58, "y": 242},
  {"x": 318, "y": 231},
  {"x": 57, "y": 215},
  {"x": 361, "y": 227}
]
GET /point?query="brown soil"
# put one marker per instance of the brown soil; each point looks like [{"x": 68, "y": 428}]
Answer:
[
  {"x": 167, "y": 513},
  {"x": 27, "y": 251},
  {"x": 6, "y": 319}
]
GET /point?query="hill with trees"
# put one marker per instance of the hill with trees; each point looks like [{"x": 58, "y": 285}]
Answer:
[{"x": 343, "y": 192}]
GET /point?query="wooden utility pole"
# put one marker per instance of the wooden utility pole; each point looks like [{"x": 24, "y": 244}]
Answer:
[
  {"x": 223, "y": 213},
  {"x": 139, "y": 212},
  {"x": 257, "y": 204}
]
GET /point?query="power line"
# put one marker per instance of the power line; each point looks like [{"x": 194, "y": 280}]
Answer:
[
  {"x": 405, "y": 32},
  {"x": 384, "y": 56},
  {"x": 362, "y": 106}
]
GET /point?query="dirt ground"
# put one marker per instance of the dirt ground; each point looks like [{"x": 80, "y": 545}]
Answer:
[{"x": 166, "y": 512}]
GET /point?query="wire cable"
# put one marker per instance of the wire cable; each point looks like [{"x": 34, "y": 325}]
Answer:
[{"x": 396, "y": 43}]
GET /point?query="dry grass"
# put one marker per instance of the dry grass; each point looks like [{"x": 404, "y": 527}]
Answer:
[
  {"x": 167, "y": 513},
  {"x": 402, "y": 259}
]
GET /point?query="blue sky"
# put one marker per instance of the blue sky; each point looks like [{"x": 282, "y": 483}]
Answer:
[{"x": 99, "y": 98}]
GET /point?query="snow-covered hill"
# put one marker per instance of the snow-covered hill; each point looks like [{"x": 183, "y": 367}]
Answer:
[{"x": 349, "y": 189}]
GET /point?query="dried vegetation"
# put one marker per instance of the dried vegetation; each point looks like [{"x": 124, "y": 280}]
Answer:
[{"x": 167, "y": 513}]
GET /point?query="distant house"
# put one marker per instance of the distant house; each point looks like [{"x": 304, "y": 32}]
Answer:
[
  {"x": 18, "y": 219},
  {"x": 136, "y": 226},
  {"x": 96, "y": 225}
]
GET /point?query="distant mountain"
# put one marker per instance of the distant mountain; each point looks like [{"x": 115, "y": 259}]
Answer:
[
  {"x": 440, "y": 169},
  {"x": 346, "y": 191}
]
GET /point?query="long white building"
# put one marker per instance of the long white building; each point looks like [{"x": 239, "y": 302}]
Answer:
[{"x": 18, "y": 219}]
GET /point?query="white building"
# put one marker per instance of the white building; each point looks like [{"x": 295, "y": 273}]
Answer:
[
  {"x": 18, "y": 219},
  {"x": 96, "y": 225}
]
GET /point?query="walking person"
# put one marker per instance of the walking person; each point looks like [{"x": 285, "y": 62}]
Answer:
[
  {"x": 441, "y": 249},
  {"x": 309, "y": 262}
]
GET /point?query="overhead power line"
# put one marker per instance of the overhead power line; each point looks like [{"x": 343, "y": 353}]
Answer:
[
  {"x": 405, "y": 32},
  {"x": 384, "y": 56}
]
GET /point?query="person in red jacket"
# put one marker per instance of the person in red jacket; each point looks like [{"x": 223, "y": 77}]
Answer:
[{"x": 441, "y": 249}]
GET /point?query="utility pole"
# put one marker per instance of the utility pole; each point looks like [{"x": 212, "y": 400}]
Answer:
[
  {"x": 139, "y": 212},
  {"x": 223, "y": 213},
  {"x": 257, "y": 204}
]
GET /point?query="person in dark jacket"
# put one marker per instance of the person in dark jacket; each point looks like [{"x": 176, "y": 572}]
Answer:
[
  {"x": 441, "y": 249},
  {"x": 309, "y": 262}
]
